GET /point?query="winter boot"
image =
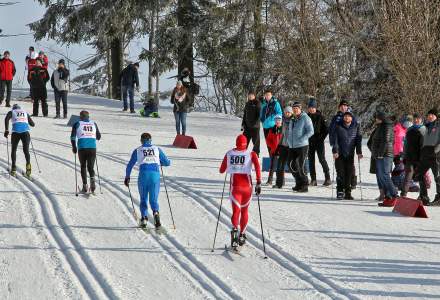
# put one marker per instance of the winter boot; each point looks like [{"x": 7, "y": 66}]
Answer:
[
  {"x": 436, "y": 201},
  {"x": 156, "y": 219},
  {"x": 13, "y": 171},
  {"x": 388, "y": 202},
  {"x": 269, "y": 179},
  {"x": 92, "y": 184},
  {"x": 28, "y": 170},
  {"x": 234, "y": 238},
  {"x": 340, "y": 195},
  {"x": 354, "y": 181},
  {"x": 348, "y": 196},
  {"x": 85, "y": 188},
  {"x": 381, "y": 196},
  {"x": 57, "y": 117},
  {"x": 303, "y": 189},
  {"x": 313, "y": 182},
  {"x": 242, "y": 239},
  {"x": 143, "y": 222},
  {"x": 327, "y": 181},
  {"x": 65, "y": 116}
]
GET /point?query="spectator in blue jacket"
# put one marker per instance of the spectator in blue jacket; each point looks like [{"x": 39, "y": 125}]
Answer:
[
  {"x": 300, "y": 131},
  {"x": 269, "y": 109},
  {"x": 347, "y": 139}
]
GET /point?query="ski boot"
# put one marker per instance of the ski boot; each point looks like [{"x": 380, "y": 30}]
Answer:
[
  {"x": 156, "y": 219},
  {"x": 85, "y": 189},
  {"x": 242, "y": 239},
  {"x": 143, "y": 222},
  {"x": 13, "y": 172},
  {"x": 234, "y": 238},
  {"x": 28, "y": 170},
  {"x": 92, "y": 184}
]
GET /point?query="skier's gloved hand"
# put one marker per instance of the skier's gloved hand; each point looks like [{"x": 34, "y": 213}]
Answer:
[
  {"x": 258, "y": 189},
  {"x": 6, "y": 134},
  {"x": 74, "y": 150},
  {"x": 127, "y": 181}
]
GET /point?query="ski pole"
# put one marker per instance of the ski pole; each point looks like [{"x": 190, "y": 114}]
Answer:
[
  {"x": 261, "y": 225},
  {"x": 168, "y": 198},
  {"x": 35, "y": 155},
  {"x": 132, "y": 205},
  {"x": 360, "y": 178},
  {"x": 76, "y": 176},
  {"x": 219, "y": 212},
  {"x": 99, "y": 177},
  {"x": 7, "y": 149},
  {"x": 333, "y": 180}
]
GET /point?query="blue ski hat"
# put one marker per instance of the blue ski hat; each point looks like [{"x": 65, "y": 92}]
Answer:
[
  {"x": 312, "y": 103},
  {"x": 16, "y": 106},
  {"x": 278, "y": 117}
]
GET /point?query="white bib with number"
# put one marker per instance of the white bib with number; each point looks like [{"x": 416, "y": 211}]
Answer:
[
  {"x": 86, "y": 130},
  {"x": 148, "y": 155},
  {"x": 19, "y": 116},
  {"x": 239, "y": 162}
]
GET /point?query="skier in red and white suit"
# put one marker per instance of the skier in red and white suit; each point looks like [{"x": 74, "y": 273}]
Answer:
[{"x": 238, "y": 163}]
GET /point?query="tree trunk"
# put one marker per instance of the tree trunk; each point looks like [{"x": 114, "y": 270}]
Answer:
[
  {"x": 184, "y": 21},
  {"x": 116, "y": 58},
  {"x": 258, "y": 45},
  {"x": 150, "y": 61},
  {"x": 109, "y": 73}
]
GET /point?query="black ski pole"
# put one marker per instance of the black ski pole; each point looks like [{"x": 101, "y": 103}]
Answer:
[
  {"x": 360, "y": 178},
  {"x": 168, "y": 198},
  {"x": 261, "y": 224},
  {"x": 132, "y": 205},
  {"x": 333, "y": 180},
  {"x": 99, "y": 176},
  {"x": 219, "y": 212},
  {"x": 76, "y": 176},
  {"x": 35, "y": 155},
  {"x": 7, "y": 149}
]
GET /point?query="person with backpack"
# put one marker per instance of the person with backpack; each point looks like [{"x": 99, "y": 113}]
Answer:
[
  {"x": 59, "y": 82},
  {"x": 7, "y": 73}
]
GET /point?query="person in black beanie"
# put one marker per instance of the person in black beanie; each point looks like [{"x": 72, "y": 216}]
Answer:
[
  {"x": 251, "y": 121},
  {"x": 316, "y": 143}
]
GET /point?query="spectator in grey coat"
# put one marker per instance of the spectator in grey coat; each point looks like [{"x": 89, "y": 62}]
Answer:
[{"x": 59, "y": 83}]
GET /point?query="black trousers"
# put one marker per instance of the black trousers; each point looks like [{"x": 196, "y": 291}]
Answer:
[
  {"x": 39, "y": 95},
  {"x": 5, "y": 86},
  {"x": 344, "y": 173},
  {"x": 254, "y": 135},
  {"x": 319, "y": 149},
  {"x": 25, "y": 139},
  {"x": 282, "y": 160},
  {"x": 87, "y": 158},
  {"x": 60, "y": 96},
  {"x": 296, "y": 160},
  {"x": 432, "y": 163}
]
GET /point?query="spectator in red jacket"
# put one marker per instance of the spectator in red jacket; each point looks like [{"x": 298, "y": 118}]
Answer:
[
  {"x": 273, "y": 140},
  {"x": 7, "y": 73}
]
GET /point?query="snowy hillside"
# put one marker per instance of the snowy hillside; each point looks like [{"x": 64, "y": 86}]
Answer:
[{"x": 54, "y": 245}]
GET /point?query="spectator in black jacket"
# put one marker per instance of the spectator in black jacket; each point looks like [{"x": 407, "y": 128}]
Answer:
[
  {"x": 381, "y": 145},
  {"x": 316, "y": 143},
  {"x": 347, "y": 139},
  {"x": 129, "y": 79},
  {"x": 251, "y": 121},
  {"x": 38, "y": 77},
  {"x": 180, "y": 101}
]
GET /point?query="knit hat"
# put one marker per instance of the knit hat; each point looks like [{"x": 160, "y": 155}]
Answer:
[
  {"x": 312, "y": 103},
  {"x": 31, "y": 48},
  {"x": 343, "y": 102},
  {"x": 433, "y": 111},
  {"x": 380, "y": 115},
  {"x": 288, "y": 109},
  {"x": 16, "y": 106},
  {"x": 6, "y": 53},
  {"x": 61, "y": 61},
  {"x": 241, "y": 142},
  {"x": 348, "y": 113},
  {"x": 296, "y": 104},
  {"x": 278, "y": 117}
]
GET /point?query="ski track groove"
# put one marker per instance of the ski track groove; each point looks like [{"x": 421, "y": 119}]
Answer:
[
  {"x": 281, "y": 257},
  {"x": 214, "y": 279},
  {"x": 75, "y": 255}
]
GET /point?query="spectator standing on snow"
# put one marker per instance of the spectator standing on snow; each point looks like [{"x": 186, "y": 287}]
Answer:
[
  {"x": 251, "y": 121},
  {"x": 316, "y": 143},
  {"x": 347, "y": 139},
  {"x": 59, "y": 82},
  {"x": 7, "y": 73},
  {"x": 269, "y": 109},
  {"x": 38, "y": 78},
  {"x": 129, "y": 79},
  {"x": 44, "y": 60},
  {"x": 180, "y": 100},
  {"x": 381, "y": 145},
  {"x": 283, "y": 147},
  {"x": 273, "y": 140},
  {"x": 31, "y": 61},
  {"x": 430, "y": 157},
  {"x": 300, "y": 131}
]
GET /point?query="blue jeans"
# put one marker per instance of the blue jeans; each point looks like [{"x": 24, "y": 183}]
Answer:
[
  {"x": 383, "y": 171},
  {"x": 128, "y": 90},
  {"x": 180, "y": 119}
]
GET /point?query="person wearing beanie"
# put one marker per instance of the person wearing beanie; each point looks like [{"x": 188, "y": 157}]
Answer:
[
  {"x": 269, "y": 109},
  {"x": 347, "y": 139},
  {"x": 129, "y": 79},
  {"x": 150, "y": 160},
  {"x": 316, "y": 143},
  {"x": 273, "y": 140},
  {"x": 381, "y": 145},
  {"x": 238, "y": 164},
  {"x": 300, "y": 131},
  {"x": 83, "y": 137},
  {"x": 283, "y": 147},
  {"x": 44, "y": 60},
  {"x": 7, "y": 73},
  {"x": 38, "y": 78},
  {"x": 20, "y": 132},
  {"x": 250, "y": 124},
  {"x": 399, "y": 135},
  {"x": 430, "y": 157},
  {"x": 59, "y": 82}
]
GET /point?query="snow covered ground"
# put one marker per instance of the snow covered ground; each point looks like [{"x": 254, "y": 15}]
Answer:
[{"x": 54, "y": 245}]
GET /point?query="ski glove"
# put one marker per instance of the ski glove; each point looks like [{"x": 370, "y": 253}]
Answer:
[
  {"x": 258, "y": 189},
  {"x": 6, "y": 134},
  {"x": 74, "y": 150},
  {"x": 127, "y": 181}
]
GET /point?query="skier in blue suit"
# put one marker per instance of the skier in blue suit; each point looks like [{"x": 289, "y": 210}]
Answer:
[{"x": 149, "y": 158}]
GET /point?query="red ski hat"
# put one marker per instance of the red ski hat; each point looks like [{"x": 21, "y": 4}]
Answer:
[{"x": 241, "y": 142}]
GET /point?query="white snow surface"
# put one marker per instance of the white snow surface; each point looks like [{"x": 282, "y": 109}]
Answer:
[{"x": 54, "y": 245}]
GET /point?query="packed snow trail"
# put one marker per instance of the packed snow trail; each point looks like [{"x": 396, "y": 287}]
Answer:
[{"x": 318, "y": 248}]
